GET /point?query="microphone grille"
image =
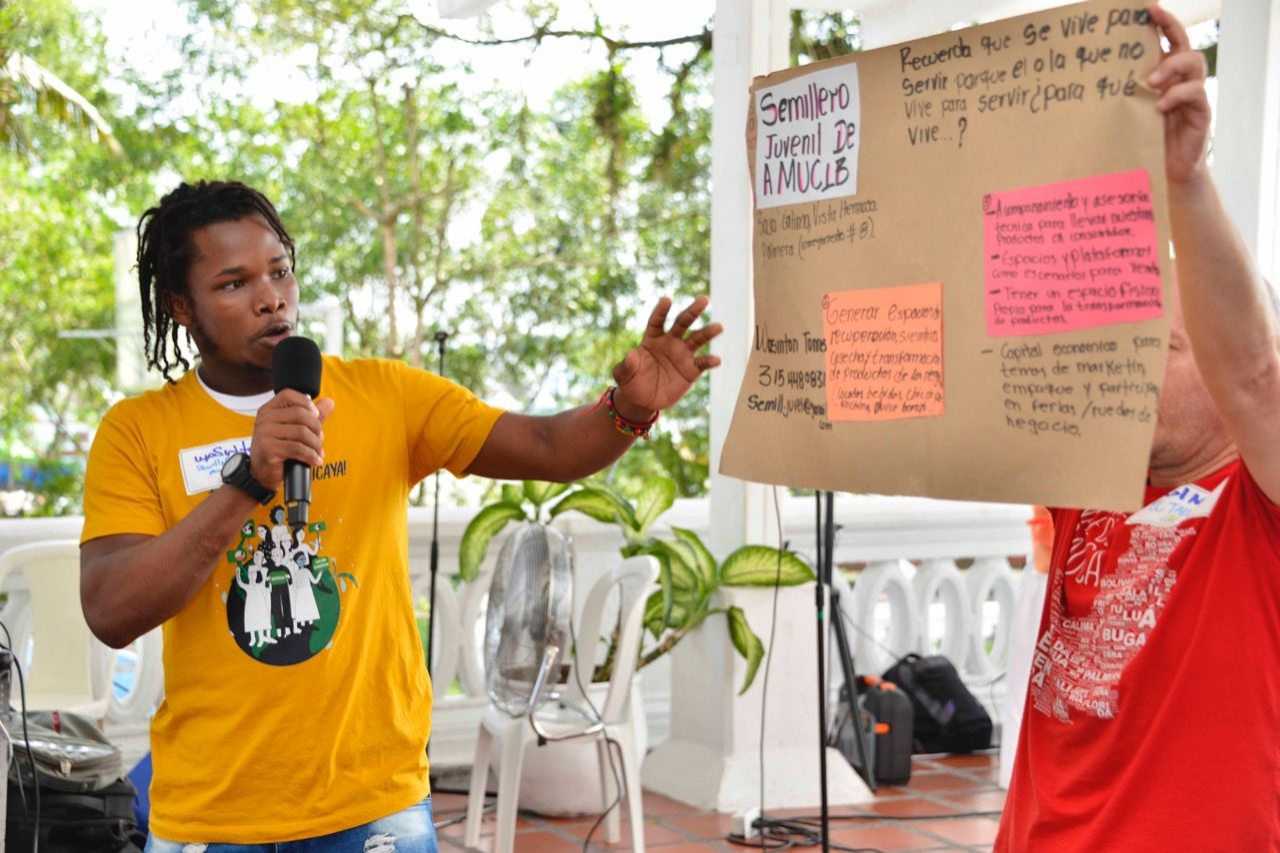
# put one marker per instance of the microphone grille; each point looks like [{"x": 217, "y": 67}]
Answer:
[{"x": 296, "y": 364}]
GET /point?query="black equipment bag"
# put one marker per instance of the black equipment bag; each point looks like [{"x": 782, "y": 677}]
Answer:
[
  {"x": 86, "y": 803},
  {"x": 96, "y": 821},
  {"x": 846, "y": 729},
  {"x": 894, "y": 728},
  {"x": 884, "y": 721},
  {"x": 947, "y": 717}
]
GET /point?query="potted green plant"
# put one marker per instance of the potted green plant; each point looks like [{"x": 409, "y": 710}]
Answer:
[{"x": 690, "y": 574}]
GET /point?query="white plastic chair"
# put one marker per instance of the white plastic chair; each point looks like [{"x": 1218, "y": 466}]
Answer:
[
  {"x": 69, "y": 668},
  {"x": 634, "y": 578},
  {"x": 139, "y": 669}
]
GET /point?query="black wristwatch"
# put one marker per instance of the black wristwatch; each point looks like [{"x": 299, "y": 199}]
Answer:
[{"x": 235, "y": 472}]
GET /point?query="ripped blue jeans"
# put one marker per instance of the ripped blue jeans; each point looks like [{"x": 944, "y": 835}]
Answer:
[{"x": 409, "y": 831}]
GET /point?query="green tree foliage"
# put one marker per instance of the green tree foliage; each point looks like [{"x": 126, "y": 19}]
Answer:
[
  {"x": 816, "y": 36},
  {"x": 56, "y": 232},
  {"x": 31, "y": 92},
  {"x": 537, "y": 237}
]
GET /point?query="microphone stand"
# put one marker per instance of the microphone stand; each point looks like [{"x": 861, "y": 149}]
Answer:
[
  {"x": 823, "y": 545},
  {"x": 825, "y": 532},
  {"x": 441, "y": 337}
]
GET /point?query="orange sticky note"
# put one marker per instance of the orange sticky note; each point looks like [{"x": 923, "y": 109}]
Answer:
[
  {"x": 1071, "y": 255},
  {"x": 884, "y": 353}
]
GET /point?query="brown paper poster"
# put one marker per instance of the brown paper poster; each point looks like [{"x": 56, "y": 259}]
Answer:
[{"x": 961, "y": 264}]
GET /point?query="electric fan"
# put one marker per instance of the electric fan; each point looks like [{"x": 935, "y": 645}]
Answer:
[{"x": 526, "y": 626}]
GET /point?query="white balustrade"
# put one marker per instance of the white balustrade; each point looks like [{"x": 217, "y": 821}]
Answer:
[
  {"x": 909, "y": 593},
  {"x": 881, "y": 613},
  {"x": 944, "y": 610},
  {"x": 990, "y": 581}
]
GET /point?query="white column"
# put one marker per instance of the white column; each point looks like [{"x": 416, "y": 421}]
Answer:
[
  {"x": 747, "y": 35},
  {"x": 1246, "y": 139},
  {"x": 713, "y": 755},
  {"x": 719, "y": 739},
  {"x": 131, "y": 360}
]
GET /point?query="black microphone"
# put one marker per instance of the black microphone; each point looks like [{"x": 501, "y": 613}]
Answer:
[{"x": 296, "y": 364}]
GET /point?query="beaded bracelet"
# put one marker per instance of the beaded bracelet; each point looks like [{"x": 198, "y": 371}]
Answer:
[{"x": 631, "y": 428}]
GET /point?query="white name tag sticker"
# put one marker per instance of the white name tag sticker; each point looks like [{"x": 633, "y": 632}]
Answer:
[
  {"x": 1181, "y": 504},
  {"x": 202, "y": 466}
]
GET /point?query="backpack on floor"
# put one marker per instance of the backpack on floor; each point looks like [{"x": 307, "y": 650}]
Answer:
[
  {"x": 85, "y": 802},
  {"x": 946, "y": 716}
]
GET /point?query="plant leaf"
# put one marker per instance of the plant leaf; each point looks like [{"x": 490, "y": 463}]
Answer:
[
  {"x": 486, "y": 524},
  {"x": 703, "y": 561},
  {"x": 656, "y": 609},
  {"x": 54, "y": 97},
  {"x": 688, "y": 609},
  {"x": 747, "y": 644},
  {"x": 665, "y": 586},
  {"x": 512, "y": 493},
  {"x": 761, "y": 565},
  {"x": 604, "y": 504},
  {"x": 679, "y": 603},
  {"x": 539, "y": 492},
  {"x": 681, "y": 559},
  {"x": 656, "y": 497}
]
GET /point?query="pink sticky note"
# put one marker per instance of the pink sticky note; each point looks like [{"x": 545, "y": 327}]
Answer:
[{"x": 1071, "y": 255}]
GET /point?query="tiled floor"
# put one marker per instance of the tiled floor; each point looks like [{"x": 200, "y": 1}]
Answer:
[{"x": 951, "y": 804}]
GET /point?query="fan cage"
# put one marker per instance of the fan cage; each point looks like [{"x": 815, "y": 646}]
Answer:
[{"x": 530, "y": 605}]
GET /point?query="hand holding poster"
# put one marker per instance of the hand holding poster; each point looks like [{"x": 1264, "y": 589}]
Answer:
[{"x": 960, "y": 250}]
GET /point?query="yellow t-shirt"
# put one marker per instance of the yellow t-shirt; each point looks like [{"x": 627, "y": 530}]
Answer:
[{"x": 297, "y": 702}]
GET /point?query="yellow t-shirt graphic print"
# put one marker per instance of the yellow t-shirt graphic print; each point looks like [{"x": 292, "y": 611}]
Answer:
[
  {"x": 297, "y": 701},
  {"x": 285, "y": 599}
]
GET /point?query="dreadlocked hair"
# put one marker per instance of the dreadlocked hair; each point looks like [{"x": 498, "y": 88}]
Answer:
[{"x": 166, "y": 247}]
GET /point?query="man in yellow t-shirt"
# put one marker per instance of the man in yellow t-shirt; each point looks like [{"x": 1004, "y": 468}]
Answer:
[{"x": 297, "y": 703}]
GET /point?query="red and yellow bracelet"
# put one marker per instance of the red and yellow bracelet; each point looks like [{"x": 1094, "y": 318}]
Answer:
[{"x": 634, "y": 429}]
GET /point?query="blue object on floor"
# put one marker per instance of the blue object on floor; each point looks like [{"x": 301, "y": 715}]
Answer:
[{"x": 140, "y": 776}]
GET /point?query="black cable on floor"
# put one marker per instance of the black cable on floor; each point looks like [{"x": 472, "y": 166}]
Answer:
[{"x": 786, "y": 834}]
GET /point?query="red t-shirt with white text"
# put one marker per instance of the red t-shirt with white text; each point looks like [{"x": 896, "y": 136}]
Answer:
[{"x": 1152, "y": 720}]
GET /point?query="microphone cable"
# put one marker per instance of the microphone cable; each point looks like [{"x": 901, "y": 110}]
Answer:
[
  {"x": 770, "y": 837},
  {"x": 780, "y": 834},
  {"x": 26, "y": 739},
  {"x": 610, "y": 744}
]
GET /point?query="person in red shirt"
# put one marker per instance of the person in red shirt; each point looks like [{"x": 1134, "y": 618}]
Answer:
[{"x": 1154, "y": 698}]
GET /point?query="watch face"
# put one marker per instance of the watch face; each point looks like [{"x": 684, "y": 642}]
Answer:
[{"x": 232, "y": 463}]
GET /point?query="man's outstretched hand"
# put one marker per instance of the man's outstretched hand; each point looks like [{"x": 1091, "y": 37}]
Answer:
[{"x": 656, "y": 374}]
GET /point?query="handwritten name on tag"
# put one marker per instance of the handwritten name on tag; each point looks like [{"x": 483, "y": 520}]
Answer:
[
  {"x": 202, "y": 466},
  {"x": 1179, "y": 505}
]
